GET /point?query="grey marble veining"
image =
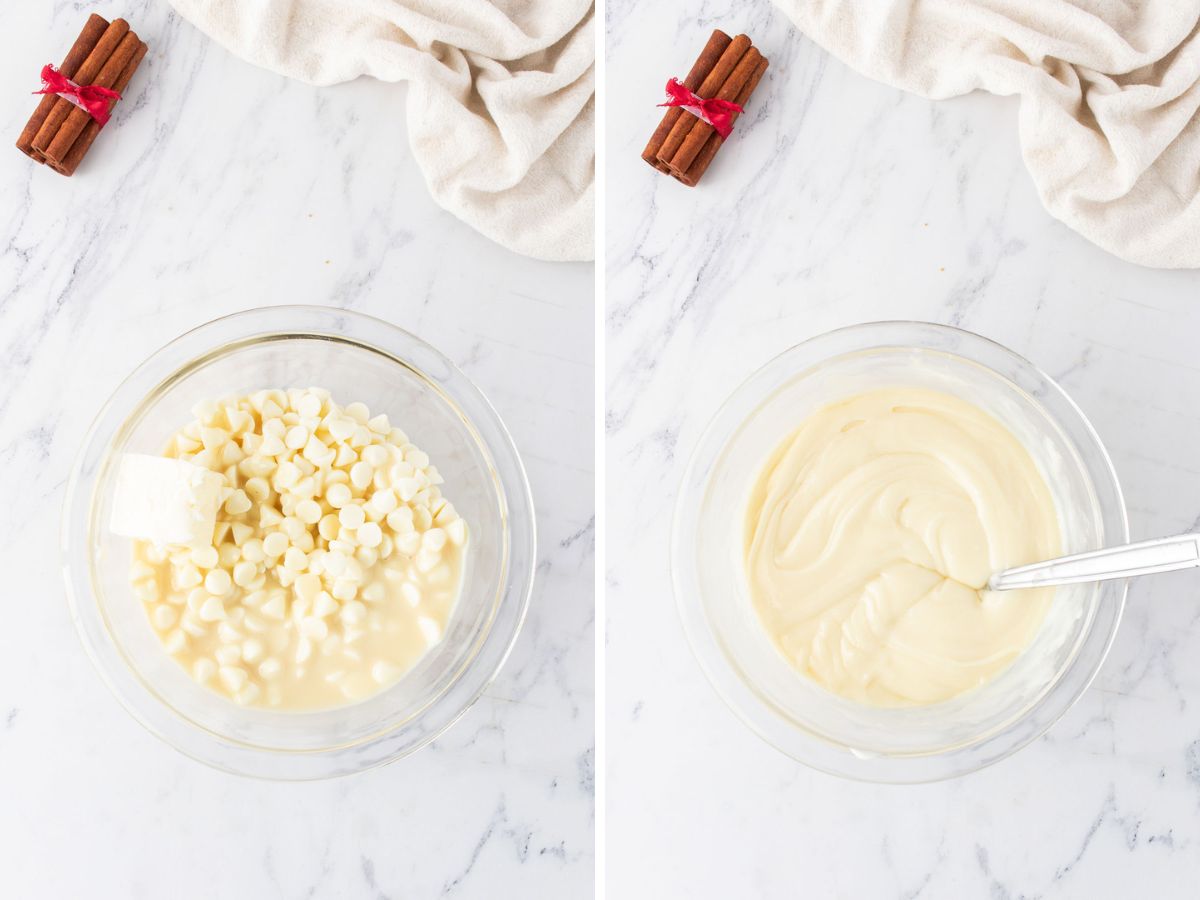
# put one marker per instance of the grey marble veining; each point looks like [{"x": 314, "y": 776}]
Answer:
[
  {"x": 219, "y": 187},
  {"x": 839, "y": 201}
]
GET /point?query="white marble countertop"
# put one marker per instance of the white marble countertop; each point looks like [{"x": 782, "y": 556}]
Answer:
[
  {"x": 220, "y": 187},
  {"x": 841, "y": 201}
]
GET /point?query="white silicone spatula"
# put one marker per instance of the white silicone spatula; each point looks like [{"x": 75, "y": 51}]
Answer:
[{"x": 1143, "y": 558}]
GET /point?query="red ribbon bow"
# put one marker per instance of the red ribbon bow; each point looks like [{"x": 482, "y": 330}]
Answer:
[
  {"x": 717, "y": 113},
  {"x": 91, "y": 98}
]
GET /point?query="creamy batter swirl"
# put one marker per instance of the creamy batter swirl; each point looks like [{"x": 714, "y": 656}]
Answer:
[{"x": 871, "y": 533}]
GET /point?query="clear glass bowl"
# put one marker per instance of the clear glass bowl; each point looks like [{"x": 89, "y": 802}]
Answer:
[
  {"x": 790, "y": 711},
  {"x": 359, "y": 359}
]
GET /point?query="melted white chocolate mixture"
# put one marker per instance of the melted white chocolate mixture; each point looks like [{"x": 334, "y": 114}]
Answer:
[
  {"x": 870, "y": 535},
  {"x": 334, "y": 563}
]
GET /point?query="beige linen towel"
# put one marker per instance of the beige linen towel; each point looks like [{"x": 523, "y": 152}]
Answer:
[
  {"x": 500, "y": 101},
  {"x": 1109, "y": 94}
]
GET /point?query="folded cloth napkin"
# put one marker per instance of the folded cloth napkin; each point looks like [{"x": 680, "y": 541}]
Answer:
[
  {"x": 1109, "y": 94},
  {"x": 500, "y": 105}
]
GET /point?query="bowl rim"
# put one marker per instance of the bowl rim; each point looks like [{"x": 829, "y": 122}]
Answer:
[
  {"x": 745, "y": 703},
  {"x": 247, "y": 327}
]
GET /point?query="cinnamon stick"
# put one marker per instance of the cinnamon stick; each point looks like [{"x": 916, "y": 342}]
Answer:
[
  {"x": 701, "y": 131},
  {"x": 708, "y": 88},
  {"x": 704, "y": 64},
  {"x": 77, "y": 119},
  {"x": 83, "y": 143},
  {"x": 84, "y": 44},
  {"x": 700, "y": 164},
  {"x": 86, "y": 74}
]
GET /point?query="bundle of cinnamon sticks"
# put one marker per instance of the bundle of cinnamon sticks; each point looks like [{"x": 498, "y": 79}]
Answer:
[
  {"x": 684, "y": 145},
  {"x": 59, "y": 133}
]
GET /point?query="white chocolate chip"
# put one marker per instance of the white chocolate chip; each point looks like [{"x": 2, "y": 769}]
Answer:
[
  {"x": 324, "y": 605},
  {"x": 351, "y": 516},
  {"x": 335, "y": 563},
  {"x": 275, "y": 609},
  {"x": 406, "y": 488},
  {"x": 233, "y": 677},
  {"x": 244, "y": 573},
  {"x": 341, "y": 429},
  {"x": 286, "y": 476},
  {"x": 275, "y": 544},
  {"x": 296, "y": 437},
  {"x": 187, "y": 576},
  {"x": 238, "y": 503},
  {"x": 174, "y": 642},
  {"x": 369, "y": 535},
  {"x": 258, "y": 489},
  {"x": 165, "y": 617},
  {"x": 303, "y": 649},
  {"x": 309, "y": 405},
  {"x": 218, "y": 582},
  {"x": 383, "y": 502},
  {"x": 203, "y": 669},
  {"x": 270, "y": 668},
  {"x": 411, "y": 593},
  {"x": 317, "y": 452},
  {"x": 400, "y": 520},
  {"x": 308, "y": 511},
  {"x": 338, "y": 495},
  {"x": 213, "y": 438},
  {"x": 295, "y": 559},
  {"x": 212, "y": 610},
  {"x": 361, "y": 475},
  {"x": 430, "y": 629},
  {"x": 345, "y": 589},
  {"x": 456, "y": 531},
  {"x": 252, "y": 650}
]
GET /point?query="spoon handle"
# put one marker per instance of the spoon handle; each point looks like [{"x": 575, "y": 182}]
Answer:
[{"x": 1142, "y": 558}]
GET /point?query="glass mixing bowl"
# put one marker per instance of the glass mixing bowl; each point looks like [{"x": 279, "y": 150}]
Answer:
[
  {"x": 792, "y": 712},
  {"x": 359, "y": 359}
]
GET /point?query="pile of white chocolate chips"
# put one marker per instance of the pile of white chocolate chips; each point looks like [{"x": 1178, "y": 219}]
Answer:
[{"x": 335, "y": 560}]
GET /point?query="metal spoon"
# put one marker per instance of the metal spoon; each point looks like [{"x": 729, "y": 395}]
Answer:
[{"x": 1142, "y": 558}]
